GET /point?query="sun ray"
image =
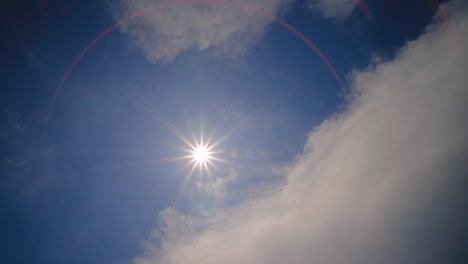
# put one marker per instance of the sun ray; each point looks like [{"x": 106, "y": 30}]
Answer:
[
  {"x": 201, "y": 133},
  {"x": 208, "y": 171},
  {"x": 244, "y": 121},
  {"x": 163, "y": 121},
  {"x": 214, "y": 166},
  {"x": 221, "y": 160},
  {"x": 200, "y": 166},
  {"x": 147, "y": 162},
  {"x": 210, "y": 138},
  {"x": 193, "y": 137},
  {"x": 182, "y": 168},
  {"x": 187, "y": 179},
  {"x": 173, "y": 129}
]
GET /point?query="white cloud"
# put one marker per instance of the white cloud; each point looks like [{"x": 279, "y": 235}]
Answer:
[
  {"x": 332, "y": 8},
  {"x": 166, "y": 32},
  {"x": 377, "y": 183}
]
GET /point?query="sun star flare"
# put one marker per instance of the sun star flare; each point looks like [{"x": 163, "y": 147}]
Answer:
[{"x": 201, "y": 154}]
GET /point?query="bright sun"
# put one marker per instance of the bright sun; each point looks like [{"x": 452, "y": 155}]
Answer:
[{"x": 201, "y": 155}]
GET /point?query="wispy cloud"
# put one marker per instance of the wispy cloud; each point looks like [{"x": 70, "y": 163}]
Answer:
[
  {"x": 216, "y": 186},
  {"x": 164, "y": 33},
  {"x": 378, "y": 183},
  {"x": 332, "y": 8}
]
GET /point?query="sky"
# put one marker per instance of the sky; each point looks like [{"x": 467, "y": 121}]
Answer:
[{"x": 233, "y": 131}]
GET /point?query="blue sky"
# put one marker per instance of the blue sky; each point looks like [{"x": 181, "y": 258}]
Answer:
[{"x": 302, "y": 174}]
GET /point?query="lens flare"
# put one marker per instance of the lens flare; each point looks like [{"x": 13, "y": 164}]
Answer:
[{"x": 195, "y": 156}]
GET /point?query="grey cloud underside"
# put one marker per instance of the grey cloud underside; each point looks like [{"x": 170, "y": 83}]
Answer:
[{"x": 379, "y": 183}]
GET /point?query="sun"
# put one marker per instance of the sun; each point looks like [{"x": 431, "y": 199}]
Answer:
[{"x": 201, "y": 155}]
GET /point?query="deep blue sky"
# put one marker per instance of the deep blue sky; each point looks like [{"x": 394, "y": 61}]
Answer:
[{"x": 71, "y": 207}]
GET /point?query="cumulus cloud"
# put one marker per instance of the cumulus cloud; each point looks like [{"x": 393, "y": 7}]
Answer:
[
  {"x": 378, "y": 183},
  {"x": 332, "y": 8},
  {"x": 164, "y": 33}
]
